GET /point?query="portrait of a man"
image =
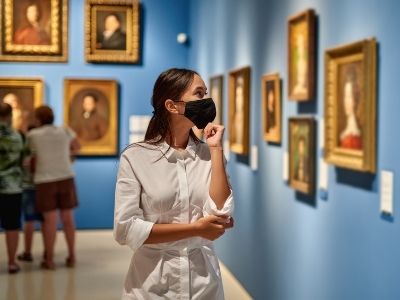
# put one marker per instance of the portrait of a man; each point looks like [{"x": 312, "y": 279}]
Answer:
[
  {"x": 23, "y": 95},
  {"x": 34, "y": 30},
  {"x": 91, "y": 110},
  {"x": 32, "y": 23},
  {"x": 89, "y": 114},
  {"x": 350, "y": 106},
  {"x": 110, "y": 32}
]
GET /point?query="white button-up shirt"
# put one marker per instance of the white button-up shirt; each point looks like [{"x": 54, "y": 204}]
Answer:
[{"x": 158, "y": 184}]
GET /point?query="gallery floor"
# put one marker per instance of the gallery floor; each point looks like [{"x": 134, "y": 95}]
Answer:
[{"x": 99, "y": 273}]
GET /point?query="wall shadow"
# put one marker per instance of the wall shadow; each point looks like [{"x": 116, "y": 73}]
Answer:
[
  {"x": 356, "y": 179},
  {"x": 310, "y": 200}
]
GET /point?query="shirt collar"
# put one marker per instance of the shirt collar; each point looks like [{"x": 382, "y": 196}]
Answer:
[{"x": 170, "y": 152}]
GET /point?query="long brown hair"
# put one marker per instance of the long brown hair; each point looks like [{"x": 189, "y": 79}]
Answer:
[{"x": 171, "y": 84}]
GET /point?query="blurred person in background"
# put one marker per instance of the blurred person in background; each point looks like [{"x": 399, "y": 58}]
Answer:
[{"x": 52, "y": 148}]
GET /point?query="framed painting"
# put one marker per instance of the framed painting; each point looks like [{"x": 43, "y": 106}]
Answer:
[
  {"x": 112, "y": 31},
  {"x": 34, "y": 30},
  {"x": 216, "y": 93},
  {"x": 239, "y": 106},
  {"x": 302, "y": 154},
  {"x": 24, "y": 95},
  {"x": 271, "y": 107},
  {"x": 350, "y": 106},
  {"x": 301, "y": 56},
  {"x": 91, "y": 110}
]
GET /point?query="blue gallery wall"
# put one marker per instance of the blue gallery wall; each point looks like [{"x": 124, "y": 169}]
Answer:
[
  {"x": 162, "y": 20},
  {"x": 286, "y": 246}
]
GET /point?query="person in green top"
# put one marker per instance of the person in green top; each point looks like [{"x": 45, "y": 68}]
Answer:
[{"x": 11, "y": 148}]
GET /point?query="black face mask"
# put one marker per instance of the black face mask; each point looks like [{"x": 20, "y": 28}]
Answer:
[{"x": 200, "y": 112}]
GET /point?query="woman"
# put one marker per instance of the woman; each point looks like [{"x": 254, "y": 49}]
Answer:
[{"x": 173, "y": 196}]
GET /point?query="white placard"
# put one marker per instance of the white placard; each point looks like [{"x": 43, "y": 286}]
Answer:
[
  {"x": 135, "y": 137},
  {"x": 138, "y": 123},
  {"x": 254, "y": 158},
  {"x": 387, "y": 192},
  {"x": 226, "y": 149},
  {"x": 321, "y": 133},
  {"x": 285, "y": 170},
  {"x": 323, "y": 174}
]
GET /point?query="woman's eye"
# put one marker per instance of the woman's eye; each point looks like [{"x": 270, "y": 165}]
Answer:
[{"x": 200, "y": 94}]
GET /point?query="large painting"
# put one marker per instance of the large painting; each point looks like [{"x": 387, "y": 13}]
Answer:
[
  {"x": 24, "y": 95},
  {"x": 271, "y": 107},
  {"x": 350, "y": 113},
  {"x": 302, "y": 154},
  {"x": 91, "y": 110},
  {"x": 112, "y": 31},
  {"x": 34, "y": 30},
  {"x": 301, "y": 48},
  {"x": 239, "y": 106}
]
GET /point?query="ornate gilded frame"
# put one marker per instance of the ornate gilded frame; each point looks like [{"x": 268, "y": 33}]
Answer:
[
  {"x": 364, "y": 53},
  {"x": 56, "y": 51},
  {"x": 274, "y": 136},
  {"x": 132, "y": 52},
  {"x": 242, "y": 123},
  {"x": 107, "y": 145},
  {"x": 303, "y": 186},
  {"x": 305, "y": 19}
]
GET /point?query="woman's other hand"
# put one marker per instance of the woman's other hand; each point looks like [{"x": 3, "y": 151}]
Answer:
[{"x": 212, "y": 227}]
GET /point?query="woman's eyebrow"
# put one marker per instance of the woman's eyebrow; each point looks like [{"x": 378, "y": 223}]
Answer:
[{"x": 200, "y": 87}]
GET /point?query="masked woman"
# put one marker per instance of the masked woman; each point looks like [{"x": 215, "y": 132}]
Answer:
[{"x": 173, "y": 197}]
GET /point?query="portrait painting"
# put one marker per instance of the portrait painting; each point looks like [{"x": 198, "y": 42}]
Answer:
[
  {"x": 112, "y": 31},
  {"x": 239, "y": 105},
  {"x": 301, "y": 48},
  {"x": 350, "y": 91},
  {"x": 215, "y": 91},
  {"x": 302, "y": 154},
  {"x": 34, "y": 30},
  {"x": 271, "y": 107},
  {"x": 23, "y": 95},
  {"x": 91, "y": 111}
]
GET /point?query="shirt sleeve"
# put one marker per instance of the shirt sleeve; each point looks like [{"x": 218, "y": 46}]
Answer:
[
  {"x": 130, "y": 228},
  {"x": 71, "y": 134},
  {"x": 210, "y": 208}
]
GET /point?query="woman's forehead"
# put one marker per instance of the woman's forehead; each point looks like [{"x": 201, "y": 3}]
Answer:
[{"x": 197, "y": 82}]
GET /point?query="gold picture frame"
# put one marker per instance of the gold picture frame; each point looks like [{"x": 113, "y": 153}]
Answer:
[
  {"x": 301, "y": 56},
  {"x": 24, "y": 95},
  {"x": 91, "y": 110},
  {"x": 120, "y": 43},
  {"x": 302, "y": 154},
  {"x": 34, "y": 32},
  {"x": 239, "y": 110},
  {"x": 350, "y": 105},
  {"x": 271, "y": 107}
]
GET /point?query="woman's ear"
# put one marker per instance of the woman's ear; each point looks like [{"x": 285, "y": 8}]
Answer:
[{"x": 172, "y": 106}]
